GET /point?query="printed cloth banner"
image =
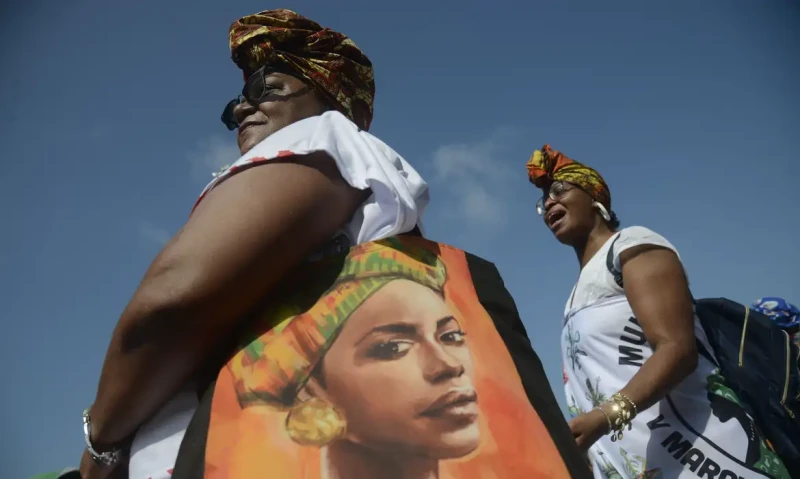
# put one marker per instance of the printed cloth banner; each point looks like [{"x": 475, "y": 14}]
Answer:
[{"x": 401, "y": 358}]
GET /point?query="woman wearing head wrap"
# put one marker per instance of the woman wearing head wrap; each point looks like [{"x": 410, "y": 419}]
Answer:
[
  {"x": 379, "y": 366},
  {"x": 642, "y": 398},
  {"x": 286, "y": 56},
  {"x": 310, "y": 179}
]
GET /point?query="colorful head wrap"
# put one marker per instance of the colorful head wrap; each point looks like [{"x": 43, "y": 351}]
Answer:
[
  {"x": 275, "y": 366},
  {"x": 547, "y": 166},
  {"x": 785, "y": 314},
  {"x": 326, "y": 58}
]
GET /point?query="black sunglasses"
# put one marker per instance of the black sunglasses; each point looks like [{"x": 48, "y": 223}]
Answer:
[{"x": 254, "y": 92}]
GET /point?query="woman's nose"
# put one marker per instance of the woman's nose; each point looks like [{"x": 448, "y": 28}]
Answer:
[
  {"x": 242, "y": 110},
  {"x": 548, "y": 202},
  {"x": 440, "y": 365}
]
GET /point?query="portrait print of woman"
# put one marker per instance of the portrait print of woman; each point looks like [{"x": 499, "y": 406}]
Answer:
[
  {"x": 374, "y": 376},
  {"x": 400, "y": 372}
]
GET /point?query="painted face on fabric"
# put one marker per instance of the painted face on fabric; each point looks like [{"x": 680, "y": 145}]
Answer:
[
  {"x": 401, "y": 373},
  {"x": 571, "y": 217},
  {"x": 287, "y": 99}
]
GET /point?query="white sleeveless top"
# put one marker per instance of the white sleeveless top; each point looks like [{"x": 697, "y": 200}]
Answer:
[
  {"x": 698, "y": 430},
  {"x": 398, "y": 200}
]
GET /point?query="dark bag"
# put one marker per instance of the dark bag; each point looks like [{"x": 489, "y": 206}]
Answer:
[
  {"x": 759, "y": 363},
  {"x": 400, "y": 353}
]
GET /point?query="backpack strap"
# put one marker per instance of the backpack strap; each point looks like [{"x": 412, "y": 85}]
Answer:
[
  {"x": 703, "y": 351},
  {"x": 610, "y": 263}
]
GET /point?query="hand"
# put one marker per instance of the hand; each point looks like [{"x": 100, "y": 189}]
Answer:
[
  {"x": 91, "y": 470},
  {"x": 588, "y": 428}
]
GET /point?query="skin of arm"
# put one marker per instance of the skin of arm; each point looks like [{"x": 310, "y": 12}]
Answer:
[
  {"x": 247, "y": 234},
  {"x": 658, "y": 292}
]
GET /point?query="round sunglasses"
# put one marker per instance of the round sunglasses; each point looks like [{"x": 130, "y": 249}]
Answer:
[{"x": 557, "y": 191}]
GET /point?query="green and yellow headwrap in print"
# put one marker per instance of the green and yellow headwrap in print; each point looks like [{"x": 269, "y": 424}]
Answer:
[
  {"x": 547, "y": 166},
  {"x": 327, "y": 59},
  {"x": 275, "y": 366}
]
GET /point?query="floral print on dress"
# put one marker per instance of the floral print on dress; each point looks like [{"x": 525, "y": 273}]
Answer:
[{"x": 574, "y": 352}]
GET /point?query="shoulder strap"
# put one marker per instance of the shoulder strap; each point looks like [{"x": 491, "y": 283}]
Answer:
[{"x": 610, "y": 263}]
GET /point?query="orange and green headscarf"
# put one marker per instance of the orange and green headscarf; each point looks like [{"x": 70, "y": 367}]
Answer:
[
  {"x": 547, "y": 166},
  {"x": 327, "y": 59},
  {"x": 275, "y": 366}
]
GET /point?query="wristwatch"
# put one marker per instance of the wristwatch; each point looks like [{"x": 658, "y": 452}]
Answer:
[{"x": 108, "y": 458}]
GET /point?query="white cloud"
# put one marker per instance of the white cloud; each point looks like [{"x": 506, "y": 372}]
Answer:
[
  {"x": 473, "y": 175},
  {"x": 153, "y": 234},
  {"x": 211, "y": 154}
]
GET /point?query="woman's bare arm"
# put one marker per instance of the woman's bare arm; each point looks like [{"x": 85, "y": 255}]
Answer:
[
  {"x": 246, "y": 235},
  {"x": 658, "y": 292}
]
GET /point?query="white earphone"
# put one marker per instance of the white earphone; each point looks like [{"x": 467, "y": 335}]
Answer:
[{"x": 603, "y": 211}]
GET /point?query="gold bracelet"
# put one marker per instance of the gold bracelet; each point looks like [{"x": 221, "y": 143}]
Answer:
[
  {"x": 623, "y": 411},
  {"x": 608, "y": 418},
  {"x": 633, "y": 404}
]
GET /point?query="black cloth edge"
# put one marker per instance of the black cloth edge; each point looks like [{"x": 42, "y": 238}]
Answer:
[
  {"x": 191, "y": 461},
  {"x": 497, "y": 301}
]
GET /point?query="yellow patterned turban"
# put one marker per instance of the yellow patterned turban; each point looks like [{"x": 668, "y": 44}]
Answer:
[
  {"x": 275, "y": 366},
  {"x": 327, "y": 59},
  {"x": 547, "y": 166}
]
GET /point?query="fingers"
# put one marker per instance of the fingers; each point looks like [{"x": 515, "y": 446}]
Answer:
[{"x": 581, "y": 441}]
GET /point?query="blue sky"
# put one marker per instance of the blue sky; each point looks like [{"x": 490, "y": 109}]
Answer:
[{"x": 111, "y": 128}]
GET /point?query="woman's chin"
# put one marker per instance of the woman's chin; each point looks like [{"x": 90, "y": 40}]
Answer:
[
  {"x": 562, "y": 234},
  {"x": 251, "y": 137},
  {"x": 246, "y": 146},
  {"x": 458, "y": 443}
]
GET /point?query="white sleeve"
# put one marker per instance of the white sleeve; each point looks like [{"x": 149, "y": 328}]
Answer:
[
  {"x": 399, "y": 194},
  {"x": 636, "y": 236}
]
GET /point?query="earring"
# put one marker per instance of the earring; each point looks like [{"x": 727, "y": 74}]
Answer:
[
  {"x": 315, "y": 423},
  {"x": 603, "y": 211}
]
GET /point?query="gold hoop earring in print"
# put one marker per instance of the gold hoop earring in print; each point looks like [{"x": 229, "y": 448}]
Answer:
[{"x": 315, "y": 422}]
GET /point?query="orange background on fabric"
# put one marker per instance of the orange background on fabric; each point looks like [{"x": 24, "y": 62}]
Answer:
[{"x": 514, "y": 442}]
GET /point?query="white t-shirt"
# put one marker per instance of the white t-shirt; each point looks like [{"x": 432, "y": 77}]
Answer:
[
  {"x": 698, "y": 430},
  {"x": 398, "y": 200},
  {"x": 595, "y": 282}
]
